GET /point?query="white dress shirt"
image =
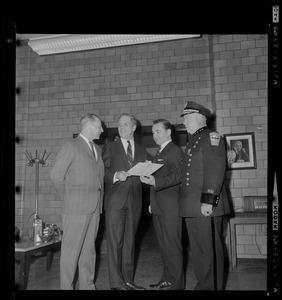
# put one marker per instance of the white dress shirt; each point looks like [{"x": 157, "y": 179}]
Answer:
[{"x": 125, "y": 146}]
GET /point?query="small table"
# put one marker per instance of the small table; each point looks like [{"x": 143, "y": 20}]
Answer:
[
  {"x": 242, "y": 218},
  {"x": 26, "y": 249}
]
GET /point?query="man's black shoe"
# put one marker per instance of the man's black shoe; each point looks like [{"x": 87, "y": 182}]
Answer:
[
  {"x": 133, "y": 286},
  {"x": 162, "y": 285}
]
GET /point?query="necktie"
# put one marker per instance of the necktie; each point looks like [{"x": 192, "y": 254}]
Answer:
[
  {"x": 92, "y": 148},
  {"x": 158, "y": 152},
  {"x": 129, "y": 154}
]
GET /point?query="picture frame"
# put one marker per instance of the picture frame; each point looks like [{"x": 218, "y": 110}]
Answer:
[{"x": 241, "y": 151}]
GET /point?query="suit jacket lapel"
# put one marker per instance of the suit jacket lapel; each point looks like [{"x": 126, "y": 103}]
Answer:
[
  {"x": 122, "y": 150},
  {"x": 137, "y": 153},
  {"x": 166, "y": 149},
  {"x": 159, "y": 159},
  {"x": 87, "y": 148},
  {"x": 84, "y": 144}
]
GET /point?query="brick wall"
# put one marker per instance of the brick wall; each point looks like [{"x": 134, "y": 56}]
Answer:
[
  {"x": 227, "y": 73},
  {"x": 251, "y": 241}
]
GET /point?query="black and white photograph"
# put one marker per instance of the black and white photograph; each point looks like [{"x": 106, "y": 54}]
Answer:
[
  {"x": 91, "y": 102},
  {"x": 241, "y": 151}
]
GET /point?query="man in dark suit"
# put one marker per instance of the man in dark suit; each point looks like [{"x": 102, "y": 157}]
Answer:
[
  {"x": 78, "y": 176},
  {"x": 164, "y": 194},
  {"x": 202, "y": 200},
  {"x": 123, "y": 203}
]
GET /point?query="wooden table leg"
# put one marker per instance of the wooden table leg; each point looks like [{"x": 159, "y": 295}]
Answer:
[
  {"x": 229, "y": 246},
  {"x": 233, "y": 244},
  {"x": 24, "y": 271},
  {"x": 49, "y": 260}
]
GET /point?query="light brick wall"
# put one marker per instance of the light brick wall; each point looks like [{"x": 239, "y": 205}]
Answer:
[
  {"x": 251, "y": 241},
  {"x": 227, "y": 73}
]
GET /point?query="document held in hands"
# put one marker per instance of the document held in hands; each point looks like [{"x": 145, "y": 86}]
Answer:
[{"x": 144, "y": 168}]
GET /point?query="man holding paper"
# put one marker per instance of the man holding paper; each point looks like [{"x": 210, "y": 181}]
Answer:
[
  {"x": 122, "y": 203},
  {"x": 164, "y": 193},
  {"x": 144, "y": 168}
]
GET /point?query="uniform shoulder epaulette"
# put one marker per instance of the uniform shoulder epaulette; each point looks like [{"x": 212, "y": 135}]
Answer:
[{"x": 214, "y": 138}]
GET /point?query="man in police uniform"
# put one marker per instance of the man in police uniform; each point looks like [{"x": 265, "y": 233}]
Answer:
[{"x": 202, "y": 202}]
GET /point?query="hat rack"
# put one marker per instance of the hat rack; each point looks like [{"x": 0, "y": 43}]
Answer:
[{"x": 37, "y": 161}]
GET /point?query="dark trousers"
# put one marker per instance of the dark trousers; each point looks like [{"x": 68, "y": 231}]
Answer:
[
  {"x": 207, "y": 251},
  {"x": 121, "y": 227},
  {"x": 168, "y": 231}
]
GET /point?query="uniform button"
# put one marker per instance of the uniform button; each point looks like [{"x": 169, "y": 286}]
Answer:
[
  {"x": 188, "y": 165},
  {"x": 187, "y": 183},
  {"x": 197, "y": 142},
  {"x": 188, "y": 178},
  {"x": 189, "y": 159},
  {"x": 194, "y": 146},
  {"x": 187, "y": 173},
  {"x": 190, "y": 154}
]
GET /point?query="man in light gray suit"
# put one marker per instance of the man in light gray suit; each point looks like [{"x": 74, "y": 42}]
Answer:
[{"x": 77, "y": 176}]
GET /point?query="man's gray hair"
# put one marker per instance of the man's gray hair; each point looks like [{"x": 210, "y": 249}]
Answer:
[{"x": 88, "y": 118}]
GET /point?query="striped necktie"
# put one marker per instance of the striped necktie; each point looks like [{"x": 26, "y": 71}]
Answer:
[
  {"x": 129, "y": 154},
  {"x": 92, "y": 148}
]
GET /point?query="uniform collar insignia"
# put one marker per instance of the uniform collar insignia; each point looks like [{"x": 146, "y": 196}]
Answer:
[{"x": 199, "y": 130}]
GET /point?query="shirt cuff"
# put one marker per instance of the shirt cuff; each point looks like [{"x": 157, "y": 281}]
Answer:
[{"x": 115, "y": 179}]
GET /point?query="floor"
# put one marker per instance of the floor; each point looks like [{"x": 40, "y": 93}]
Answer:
[{"x": 250, "y": 274}]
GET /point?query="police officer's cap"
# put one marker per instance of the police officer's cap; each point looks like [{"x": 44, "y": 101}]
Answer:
[{"x": 192, "y": 106}]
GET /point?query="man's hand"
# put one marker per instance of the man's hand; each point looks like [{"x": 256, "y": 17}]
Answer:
[
  {"x": 122, "y": 175},
  {"x": 148, "y": 179},
  {"x": 206, "y": 209}
]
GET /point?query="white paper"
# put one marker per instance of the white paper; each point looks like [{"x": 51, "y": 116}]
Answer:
[{"x": 145, "y": 168}]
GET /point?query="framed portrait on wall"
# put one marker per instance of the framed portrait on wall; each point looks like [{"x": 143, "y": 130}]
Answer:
[{"x": 241, "y": 152}]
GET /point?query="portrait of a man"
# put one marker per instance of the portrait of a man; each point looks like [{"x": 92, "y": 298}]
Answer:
[{"x": 241, "y": 151}]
